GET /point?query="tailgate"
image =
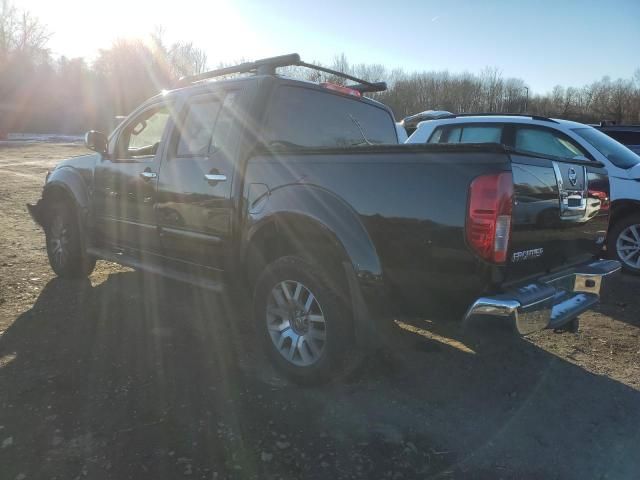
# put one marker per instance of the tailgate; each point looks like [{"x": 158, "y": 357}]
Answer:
[{"x": 560, "y": 214}]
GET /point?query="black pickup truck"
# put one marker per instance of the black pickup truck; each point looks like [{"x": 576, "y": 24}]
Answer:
[{"x": 299, "y": 192}]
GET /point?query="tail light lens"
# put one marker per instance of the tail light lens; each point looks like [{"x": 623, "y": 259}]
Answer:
[
  {"x": 488, "y": 225},
  {"x": 603, "y": 197}
]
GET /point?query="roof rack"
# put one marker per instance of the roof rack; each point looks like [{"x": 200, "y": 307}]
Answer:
[
  {"x": 495, "y": 114},
  {"x": 413, "y": 120},
  {"x": 267, "y": 66}
]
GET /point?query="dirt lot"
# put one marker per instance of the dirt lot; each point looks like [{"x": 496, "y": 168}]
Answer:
[{"x": 131, "y": 376}]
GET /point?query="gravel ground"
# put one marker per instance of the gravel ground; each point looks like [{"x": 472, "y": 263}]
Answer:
[{"x": 127, "y": 375}]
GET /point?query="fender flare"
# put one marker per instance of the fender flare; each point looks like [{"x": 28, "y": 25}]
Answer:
[
  {"x": 68, "y": 181},
  {"x": 327, "y": 211},
  {"x": 72, "y": 183}
]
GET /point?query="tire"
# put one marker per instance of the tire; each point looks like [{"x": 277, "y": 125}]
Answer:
[
  {"x": 64, "y": 243},
  {"x": 308, "y": 338},
  {"x": 623, "y": 243}
]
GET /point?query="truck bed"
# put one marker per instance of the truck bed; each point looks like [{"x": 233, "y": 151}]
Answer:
[{"x": 412, "y": 202}]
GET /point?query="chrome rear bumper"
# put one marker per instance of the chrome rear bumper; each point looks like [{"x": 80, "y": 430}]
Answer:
[{"x": 549, "y": 302}]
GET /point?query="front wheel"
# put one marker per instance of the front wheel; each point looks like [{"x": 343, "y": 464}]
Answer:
[
  {"x": 306, "y": 327},
  {"x": 64, "y": 244},
  {"x": 624, "y": 243}
]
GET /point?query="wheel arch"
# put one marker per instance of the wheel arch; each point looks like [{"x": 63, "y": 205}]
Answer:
[
  {"x": 317, "y": 223},
  {"x": 66, "y": 184},
  {"x": 621, "y": 209}
]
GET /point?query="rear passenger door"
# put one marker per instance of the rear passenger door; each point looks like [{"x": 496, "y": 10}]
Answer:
[{"x": 194, "y": 186}]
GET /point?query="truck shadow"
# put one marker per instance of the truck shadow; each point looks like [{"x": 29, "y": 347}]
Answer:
[
  {"x": 620, "y": 305},
  {"x": 146, "y": 378}
]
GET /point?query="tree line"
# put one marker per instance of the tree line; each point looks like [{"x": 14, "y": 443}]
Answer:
[{"x": 40, "y": 93}]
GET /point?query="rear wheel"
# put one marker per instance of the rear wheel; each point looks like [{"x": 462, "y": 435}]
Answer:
[
  {"x": 624, "y": 243},
  {"x": 305, "y": 326},
  {"x": 64, "y": 244}
]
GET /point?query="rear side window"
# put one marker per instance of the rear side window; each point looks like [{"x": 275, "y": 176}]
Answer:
[
  {"x": 546, "y": 142},
  {"x": 197, "y": 129},
  {"x": 207, "y": 127},
  {"x": 467, "y": 134},
  {"x": 436, "y": 136},
  {"x": 228, "y": 118},
  {"x": 310, "y": 118}
]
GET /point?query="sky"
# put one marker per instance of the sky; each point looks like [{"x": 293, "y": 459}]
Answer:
[{"x": 544, "y": 42}]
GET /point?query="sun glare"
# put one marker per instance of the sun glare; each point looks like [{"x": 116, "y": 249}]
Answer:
[{"x": 218, "y": 27}]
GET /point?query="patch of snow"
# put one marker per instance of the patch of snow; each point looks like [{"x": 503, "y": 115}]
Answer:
[{"x": 22, "y": 138}]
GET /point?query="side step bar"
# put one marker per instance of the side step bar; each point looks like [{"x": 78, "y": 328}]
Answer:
[{"x": 157, "y": 269}]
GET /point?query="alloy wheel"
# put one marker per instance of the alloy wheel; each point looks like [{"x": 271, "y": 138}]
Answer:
[
  {"x": 58, "y": 238},
  {"x": 296, "y": 323},
  {"x": 628, "y": 246}
]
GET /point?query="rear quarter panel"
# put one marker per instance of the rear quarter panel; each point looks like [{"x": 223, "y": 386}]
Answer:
[{"x": 412, "y": 202}]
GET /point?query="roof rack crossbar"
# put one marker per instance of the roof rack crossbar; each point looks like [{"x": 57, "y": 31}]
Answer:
[
  {"x": 362, "y": 85},
  {"x": 262, "y": 66},
  {"x": 267, "y": 66}
]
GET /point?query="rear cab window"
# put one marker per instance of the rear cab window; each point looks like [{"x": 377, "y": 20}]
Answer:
[{"x": 308, "y": 117}]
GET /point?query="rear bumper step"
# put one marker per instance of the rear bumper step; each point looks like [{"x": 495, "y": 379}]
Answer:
[{"x": 549, "y": 302}]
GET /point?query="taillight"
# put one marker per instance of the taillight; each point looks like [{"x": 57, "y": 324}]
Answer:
[
  {"x": 488, "y": 225},
  {"x": 603, "y": 197},
  {"x": 341, "y": 89}
]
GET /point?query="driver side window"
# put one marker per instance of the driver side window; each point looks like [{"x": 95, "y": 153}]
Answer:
[{"x": 141, "y": 138}]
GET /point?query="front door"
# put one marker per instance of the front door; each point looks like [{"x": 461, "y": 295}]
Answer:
[
  {"x": 126, "y": 184},
  {"x": 194, "y": 187}
]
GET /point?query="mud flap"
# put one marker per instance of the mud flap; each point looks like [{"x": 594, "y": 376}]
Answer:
[{"x": 370, "y": 330}]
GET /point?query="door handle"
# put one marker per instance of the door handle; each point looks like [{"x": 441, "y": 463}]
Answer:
[
  {"x": 148, "y": 175},
  {"x": 215, "y": 177}
]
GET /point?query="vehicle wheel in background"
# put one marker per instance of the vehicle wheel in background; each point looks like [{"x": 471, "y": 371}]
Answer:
[
  {"x": 623, "y": 243},
  {"x": 306, "y": 328},
  {"x": 64, "y": 244}
]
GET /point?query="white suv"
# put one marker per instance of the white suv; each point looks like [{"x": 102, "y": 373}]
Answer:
[{"x": 556, "y": 138}]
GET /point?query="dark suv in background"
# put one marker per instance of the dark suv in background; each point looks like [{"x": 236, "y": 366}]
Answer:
[{"x": 628, "y": 135}]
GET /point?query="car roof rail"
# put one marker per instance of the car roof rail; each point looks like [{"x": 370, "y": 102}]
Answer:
[
  {"x": 442, "y": 115},
  {"x": 496, "y": 114},
  {"x": 267, "y": 66}
]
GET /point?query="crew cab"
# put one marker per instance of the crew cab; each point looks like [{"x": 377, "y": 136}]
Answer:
[
  {"x": 556, "y": 138},
  {"x": 300, "y": 193}
]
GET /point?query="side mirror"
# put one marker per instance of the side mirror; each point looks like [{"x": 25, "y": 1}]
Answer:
[{"x": 96, "y": 141}]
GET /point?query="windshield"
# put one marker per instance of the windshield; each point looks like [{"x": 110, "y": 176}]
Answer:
[{"x": 617, "y": 153}]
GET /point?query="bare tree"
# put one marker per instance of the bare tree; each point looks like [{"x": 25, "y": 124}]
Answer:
[{"x": 21, "y": 33}]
